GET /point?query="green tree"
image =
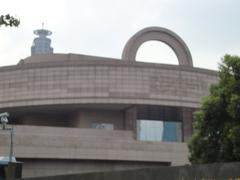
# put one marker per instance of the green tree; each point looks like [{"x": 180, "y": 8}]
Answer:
[
  {"x": 216, "y": 136},
  {"x": 9, "y": 20}
]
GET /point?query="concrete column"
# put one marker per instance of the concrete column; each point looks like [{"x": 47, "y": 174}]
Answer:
[
  {"x": 187, "y": 117},
  {"x": 75, "y": 120},
  {"x": 131, "y": 118}
]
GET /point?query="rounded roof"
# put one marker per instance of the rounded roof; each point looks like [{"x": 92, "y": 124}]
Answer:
[{"x": 78, "y": 79}]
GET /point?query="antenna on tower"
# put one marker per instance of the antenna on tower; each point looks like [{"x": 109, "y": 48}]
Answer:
[{"x": 42, "y": 25}]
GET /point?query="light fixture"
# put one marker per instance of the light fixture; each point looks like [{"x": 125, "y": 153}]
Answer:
[{"x": 4, "y": 120}]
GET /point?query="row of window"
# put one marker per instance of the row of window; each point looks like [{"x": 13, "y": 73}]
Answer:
[{"x": 147, "y": 130}]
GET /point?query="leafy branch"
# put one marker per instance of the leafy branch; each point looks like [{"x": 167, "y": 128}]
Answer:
[{"x": 9, "y": 20}]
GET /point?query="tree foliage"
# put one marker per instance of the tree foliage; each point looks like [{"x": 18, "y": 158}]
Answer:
[
  {"x": 216, "y": 136},
  {"x": 9, "y": 20}
]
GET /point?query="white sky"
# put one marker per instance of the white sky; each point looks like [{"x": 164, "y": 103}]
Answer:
[{"x": 210, "y": 28}]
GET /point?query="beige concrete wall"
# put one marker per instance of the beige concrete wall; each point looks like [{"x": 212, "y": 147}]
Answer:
[
  {"x": 43, "y": 167},
  {"x": 78, "y": 81},
  {"x": 90, "y": 144}
]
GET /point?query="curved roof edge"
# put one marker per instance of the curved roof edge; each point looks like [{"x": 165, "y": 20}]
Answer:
[{"x": 56, "y": 60}]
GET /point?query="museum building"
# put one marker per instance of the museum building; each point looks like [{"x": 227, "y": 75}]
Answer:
[{"x": 76, "y": 113}]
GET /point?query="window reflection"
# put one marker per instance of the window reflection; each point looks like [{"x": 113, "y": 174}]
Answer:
[{"x": 167, "y": 131}]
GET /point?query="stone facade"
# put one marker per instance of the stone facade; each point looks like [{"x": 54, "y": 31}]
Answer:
[
  {"x": 102, "y": 81},
  {"x": 69, "y": 93},
  {"x": 36, "y": 144}
]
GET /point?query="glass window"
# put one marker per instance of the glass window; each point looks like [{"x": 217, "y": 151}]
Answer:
[
  {"x": 168, "y": 131},
  {"x": 102, "y": 126}
]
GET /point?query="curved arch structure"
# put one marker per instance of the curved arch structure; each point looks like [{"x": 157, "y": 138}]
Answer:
[{"x": 160, "y": 34}]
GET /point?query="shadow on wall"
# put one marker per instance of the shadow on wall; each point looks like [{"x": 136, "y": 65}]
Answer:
[{"x": 208, "y": 171}]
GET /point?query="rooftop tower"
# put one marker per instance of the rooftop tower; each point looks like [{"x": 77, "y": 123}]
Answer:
[{"x": 42, "y": 44}]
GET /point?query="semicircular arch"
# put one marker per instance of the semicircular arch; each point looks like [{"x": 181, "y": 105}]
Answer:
[{"x": 159, "y": 34}]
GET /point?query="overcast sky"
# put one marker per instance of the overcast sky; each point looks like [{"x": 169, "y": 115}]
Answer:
[{"x": 210, "y": 28}]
